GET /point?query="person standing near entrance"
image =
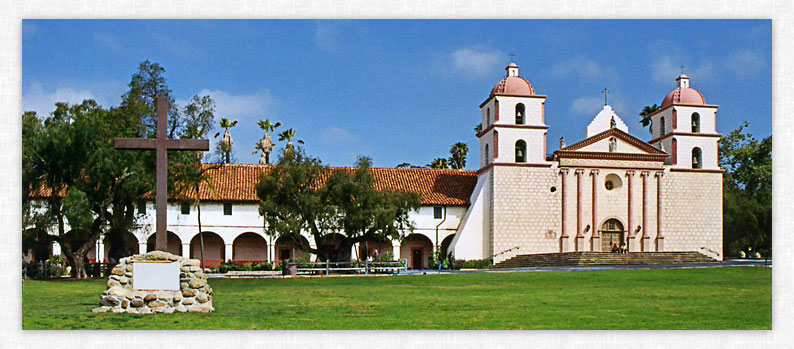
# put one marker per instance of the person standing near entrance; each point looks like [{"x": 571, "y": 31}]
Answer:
[{"x": 376, "y": 255}]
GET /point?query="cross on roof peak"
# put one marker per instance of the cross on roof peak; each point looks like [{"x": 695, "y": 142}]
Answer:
[
  {"x": 682, "y": 69},
  {"x": 511, "y": 57},
  {"x": 605, "y": 92}
]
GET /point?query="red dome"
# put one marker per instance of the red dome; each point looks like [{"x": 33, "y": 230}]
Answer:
[
  {"x": 514, "y": 86},
  {"x": 683, "y": 94}
]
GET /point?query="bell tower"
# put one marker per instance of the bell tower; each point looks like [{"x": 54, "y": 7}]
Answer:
[
  {"x": 686, "y": 128},
  {"x": 513, "y": 123}
]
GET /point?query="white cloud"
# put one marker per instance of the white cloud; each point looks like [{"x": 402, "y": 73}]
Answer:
[
  {"x": 590, "y": 106},
  {"x": 255, "y": 106},
  {"x": 110, "y": 41},
  {"x": 587, "y": 105},
  {"x": 43, "y": 102},
  {"x": 337, "y": 136},
  {"x": 744, "y": 63},
  {"x": 667, "y": 68},
  {"x": 475, "y": 61},
  {"x": 582, "y": 66},
  {"x": 326, "y": 35},
  {"x": 179, "y": 48}
]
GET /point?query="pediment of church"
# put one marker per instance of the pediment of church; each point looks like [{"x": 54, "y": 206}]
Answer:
[{"x": 612, "y": 141}]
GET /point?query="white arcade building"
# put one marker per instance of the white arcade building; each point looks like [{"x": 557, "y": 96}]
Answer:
[{"x": 611, "y": 187}]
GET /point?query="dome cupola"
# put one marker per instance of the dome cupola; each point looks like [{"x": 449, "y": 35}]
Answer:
[
  {"x": 683, "y": 94},
  {"x": 512, "y": 84}
]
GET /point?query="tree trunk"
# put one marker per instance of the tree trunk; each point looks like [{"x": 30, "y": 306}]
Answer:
[
  {"x": 227, "y": 157},
  {"x": 201, "y": 235}
]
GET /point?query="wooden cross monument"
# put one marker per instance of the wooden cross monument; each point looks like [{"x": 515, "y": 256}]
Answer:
[{"x": 162, "y": 144}]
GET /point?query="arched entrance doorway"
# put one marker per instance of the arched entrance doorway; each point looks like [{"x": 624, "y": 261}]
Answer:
[
  {"x": 174, "y": 243},
  {"x": 120, "y": 245},
  {"x": 417, "y": 249},
  {"x": 611, "y": 234},
  {"x": 249, "y": 247},
  {"x": 285, "y": 249},
  {"x": 214, "y": 249}
]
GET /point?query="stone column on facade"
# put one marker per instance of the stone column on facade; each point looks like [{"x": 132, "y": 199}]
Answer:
[
  {"x": 395, "y": 250},
  {"x": 186, "y": 250},
  {"x": 643, "y": 232},
  {"x": 563, "y": 234},
  {"x": 354, "y": 253},
  {"x": 100, "y": 252},
  {"x": 594, "y": 237},
  {"x": 142, "y": 247},
  {"x": 659, "y": 241},
  {"x": 229, "y": 252},
  {"x": 630, "y": 231},
  {"x": 579, "y": 238}
]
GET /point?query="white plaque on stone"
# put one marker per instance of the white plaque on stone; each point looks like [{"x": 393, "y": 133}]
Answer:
[{"x": 155, "y": 275}]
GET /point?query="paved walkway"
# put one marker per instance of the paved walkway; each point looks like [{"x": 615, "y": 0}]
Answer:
[{"x": 726, "y": 263}]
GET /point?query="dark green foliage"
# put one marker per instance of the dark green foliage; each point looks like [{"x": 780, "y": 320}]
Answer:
[
  {"x": 747, "y": 194},
  {"x": 337, "y": 212}
]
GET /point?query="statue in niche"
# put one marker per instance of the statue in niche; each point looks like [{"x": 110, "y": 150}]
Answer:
[
  {"x": 613, "y": 144},
  {"x": 612, "y": 123},
  {"x": 562, "y": 142}
]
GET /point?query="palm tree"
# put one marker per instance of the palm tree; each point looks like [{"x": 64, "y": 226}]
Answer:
[
  {"x": 646, "y": 114},
  {"x": 404, "y": 165},
  {"x": 288, "y": 135},
  {"x": 458, "y": 159},
  {"x": 266, "y": 144},
  {"x": 439, "y": 163},
  {"x": 189, "y": 178},
  {"x": 478, "y": 129},
  {"x": 226, "y": 142}
]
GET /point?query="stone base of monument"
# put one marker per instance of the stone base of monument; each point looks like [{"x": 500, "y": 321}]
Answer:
[{"x": 156, "y": 282}]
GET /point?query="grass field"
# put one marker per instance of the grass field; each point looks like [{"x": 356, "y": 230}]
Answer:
[{"x": 714, "y": 298}]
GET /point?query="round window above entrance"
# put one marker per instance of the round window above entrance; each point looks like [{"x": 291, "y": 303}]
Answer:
[{"x": 612, "y": 182}]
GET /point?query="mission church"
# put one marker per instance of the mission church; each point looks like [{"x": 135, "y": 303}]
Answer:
[{"x": 610, "y": 188}]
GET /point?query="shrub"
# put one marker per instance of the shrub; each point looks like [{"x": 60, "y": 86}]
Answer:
[{"x": 477, "y": 264}]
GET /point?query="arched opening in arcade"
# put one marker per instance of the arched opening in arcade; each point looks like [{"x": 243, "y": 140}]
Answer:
[
  {"x": 445, "y": 246},
  {"x": 249, "y": 248},
  {"x": 335, "y": 246},
  {"x": 611, "y": 234},
  {"x": 174, "y": 244},
  {"x": 416, "y": 248},
  {"x": 120, "y": 245},
  {"x": 214, "y": 249},
  {"x": 287, "y": 248},
  {"x": 368, "y": 248}
]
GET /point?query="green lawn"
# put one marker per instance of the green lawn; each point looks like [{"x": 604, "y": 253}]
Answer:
[{"x": 715, "y": 298}]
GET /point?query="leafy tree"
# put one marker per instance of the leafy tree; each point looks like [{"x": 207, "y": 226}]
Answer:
[
  {"x": 404, "y": 165},
  {"x": 645, "y": 114},
  {"x": 266, "y": 144},
  {"x": 747, "y": 194},
  {"x": 439, "y": 163},
  {"x": 458, "y": 159},
  {"x": 227, "y": 143},
  {"x": 189, "y": 179},
  {"x": 140, "y": 103},
  {"x": 295, "y": 197},
  {"x": 478, "y": 129}
]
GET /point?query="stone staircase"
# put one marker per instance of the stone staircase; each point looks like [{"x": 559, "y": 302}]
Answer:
[{"x": 603, "y": 258}]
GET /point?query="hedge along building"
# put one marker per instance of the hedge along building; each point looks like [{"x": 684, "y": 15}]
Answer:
[{"x": 608, "y": 189}]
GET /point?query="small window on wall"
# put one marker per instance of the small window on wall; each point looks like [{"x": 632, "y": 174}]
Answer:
[
  {"x": 695, "y": 123},
  {"x": 437, "y": 212},
  {"x": 486, "y": 154},
  {"x": 227, "y": 209},
  {"x": 520, "y": 114},
  {"x": 185, "y": 207},
  {"x": 141, "y": 206},
  {"x": 487, "y": 117},
  {"x": 521, "y": 151},
  {"x": 697, "y": 158},
  {"x": 661, "y": 126}
]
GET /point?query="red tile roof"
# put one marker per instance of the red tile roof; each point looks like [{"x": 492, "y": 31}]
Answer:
[{"x": 237, "y": 182}]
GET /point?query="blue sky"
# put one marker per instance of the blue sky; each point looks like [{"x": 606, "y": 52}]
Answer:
[{"x": 403, "y": 90}]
